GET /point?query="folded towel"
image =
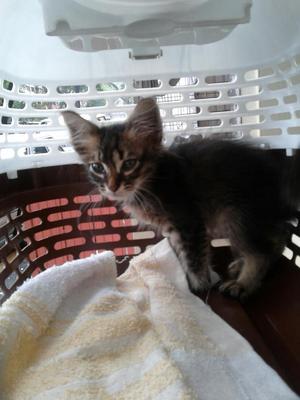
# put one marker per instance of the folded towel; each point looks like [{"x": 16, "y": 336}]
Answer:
[{"x": 79, "y": 332}]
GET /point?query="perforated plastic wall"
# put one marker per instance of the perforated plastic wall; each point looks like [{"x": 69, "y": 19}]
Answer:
[{"x": 260, "y": 104}]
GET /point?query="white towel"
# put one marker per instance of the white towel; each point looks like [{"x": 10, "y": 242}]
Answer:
[{"x": 78, "y": 332}]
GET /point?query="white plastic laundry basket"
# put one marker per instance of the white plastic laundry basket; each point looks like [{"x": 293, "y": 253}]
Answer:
[{"x": 227, "y": 69}]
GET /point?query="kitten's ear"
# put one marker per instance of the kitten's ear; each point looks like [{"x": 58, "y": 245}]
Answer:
[
  {"x": 144, "y": 125},
  {"x": 85, "y": 136}
]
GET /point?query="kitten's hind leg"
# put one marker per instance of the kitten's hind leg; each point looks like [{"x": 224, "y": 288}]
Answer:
[
  {"x": 235, "y": 267},
  {"x": 256, "y": 246},
  {"x": 252, "y": 269},
  {"x": 256, "y": 243}
]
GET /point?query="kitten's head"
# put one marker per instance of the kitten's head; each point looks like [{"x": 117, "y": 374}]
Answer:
[{"x": 119, "y": 157}]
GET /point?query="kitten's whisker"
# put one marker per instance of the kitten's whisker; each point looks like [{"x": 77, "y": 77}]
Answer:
[
  {"x": 139, "y": 199},
  {"x": 155, "y": 179},
  {"x": 85, "y": 206},
  {"x": 152, "y": 196},
  {"x": 84, "y": 215}
]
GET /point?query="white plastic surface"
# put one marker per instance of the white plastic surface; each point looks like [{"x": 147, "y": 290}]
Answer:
[
  {"x": 29, "y": 54},
  {"x": 247, "y": 85},
  {"x": 100, "y": 24}
]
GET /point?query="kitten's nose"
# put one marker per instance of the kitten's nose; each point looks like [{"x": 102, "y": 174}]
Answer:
[{"x": 113, "y": 185}]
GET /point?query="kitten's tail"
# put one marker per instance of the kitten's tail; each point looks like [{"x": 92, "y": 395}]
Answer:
[{"x": 292, "y": 181}]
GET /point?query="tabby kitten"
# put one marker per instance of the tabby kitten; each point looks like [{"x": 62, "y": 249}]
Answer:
[{"x": 193, "y": 192}]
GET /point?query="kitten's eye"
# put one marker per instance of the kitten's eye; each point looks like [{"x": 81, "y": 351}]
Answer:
[
  {"x": 97, "y": 168},
  {"x": 128, "y": 165}
]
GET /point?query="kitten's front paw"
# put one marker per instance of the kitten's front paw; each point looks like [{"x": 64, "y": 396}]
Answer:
[
  {"x": 234, "y": 289},
  {"x": 198, "y": 283}
]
